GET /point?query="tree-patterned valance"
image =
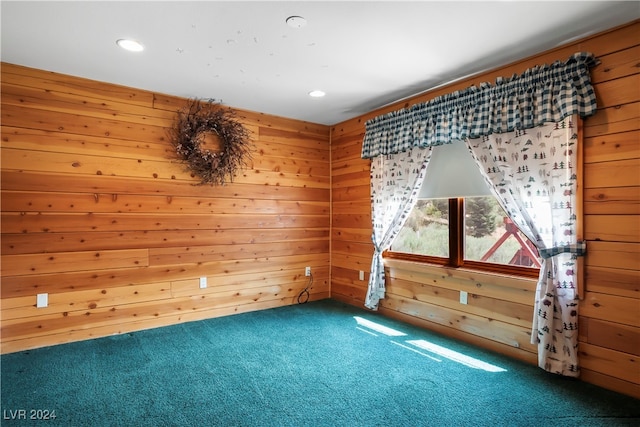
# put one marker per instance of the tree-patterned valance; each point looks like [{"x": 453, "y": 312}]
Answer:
[{"x": 546, "y": 93}]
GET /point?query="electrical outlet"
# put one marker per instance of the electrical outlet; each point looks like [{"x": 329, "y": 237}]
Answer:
[
  {"x": 463, "y": 297},
  {"x": 307, "y": 271},
  {"x": 42, "y": 300},
  {"x": 203, "y": 282},
  {"x": 361, "y": 275}
]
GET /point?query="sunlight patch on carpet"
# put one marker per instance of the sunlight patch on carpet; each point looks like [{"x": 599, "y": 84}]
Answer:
[
  {"x": 455, "y": 356},
  {"x": 378, "y": 327},
  {"x": 366, "y": 330},
  {"x": 416, "y": 351}
]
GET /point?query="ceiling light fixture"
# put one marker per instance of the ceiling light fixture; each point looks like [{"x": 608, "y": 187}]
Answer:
[
  {"x": 296, "y": 21},
  {"x": 317, "y": 94},
  {"x": 130, "y": 45}
]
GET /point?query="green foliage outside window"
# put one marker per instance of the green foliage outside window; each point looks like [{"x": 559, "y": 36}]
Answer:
[
  {"x": 426, "y": 231},
  {"x": 481, "y": 214}
]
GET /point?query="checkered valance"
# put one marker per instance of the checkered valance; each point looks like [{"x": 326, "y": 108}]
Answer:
[{"x": 546, "y": 93}]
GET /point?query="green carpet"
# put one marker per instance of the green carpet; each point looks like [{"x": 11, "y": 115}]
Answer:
[{"x": 316, "y": 364}]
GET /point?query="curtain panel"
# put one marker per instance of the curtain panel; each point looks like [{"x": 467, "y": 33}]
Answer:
[
  {"x": 542, "y": 94},
  {"x": 395, "y": 184},
  {"x": 533, "y": 176}
]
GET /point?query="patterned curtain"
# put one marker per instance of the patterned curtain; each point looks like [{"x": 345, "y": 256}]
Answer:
[
  {"x": 542, "y": 94},
  {"x": 532, "y": 173},
  {"x": 395, "y": 184}
]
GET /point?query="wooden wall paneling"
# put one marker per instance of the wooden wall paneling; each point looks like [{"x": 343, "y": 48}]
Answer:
[
  {"x": 611, "y": 93},
  {"x": 347, "y": 180},
  {"x": 617, "y": 146},
  {"x": 613, "y": 200},
  {"x": 621, "y": 173},
  {"x": 79, "y": 241},
  {"x": 351, "y": 219},
  {"x": 617, "y": 64},
  {"x": 612, "y": 195},
  {"x": 615, "y": 336},
  {"x": 359, "y": 192},
  {"x": 80, "y": 164},
  {"x": 608, "y": 382},
  {"x": 54, "y": 100},
  {"x": 203, "y": 254},
  {"x": 519, "y": 290},
  {"x": 51, "y": 81},
  {"x": 347, "y": 292},
  {"x": 612, "y": 363},
  {"x": 38, "y": 201},
  {"x": 503, "y": 311},
  {"x": 16, "y": 286},
  {"x": 614, "y": 281},
  {"x": 80, "y": 124},
  {"x": 618, "y": 118},
  {"x": 226, "y": 282},
  {"x": 284, "y": 174},
  {"x": 98, "y": 213},
  {"x": 78, "y": 222},
  {"x": 349, "y": 167},
  {"x": 624, "y": 256},
  {"x": 155, "y": 322},
  {"x": 33, "y": 181},
  {"x": 351, "y": 262},
  {"x": 612, "y": 228},
  {"x": 68, "y": 143},
  {"x": 611, "y": 308},
  {"x": 611, "y": 208},
  {"x": 354, "y": 248},
  {"x": 350, "y": 276},
  {"x": 17, "y": 329},
  {"x": 27, "y": 264},
  {"x": 63, "y": 302},
  {"x": 479, "y": 326}
]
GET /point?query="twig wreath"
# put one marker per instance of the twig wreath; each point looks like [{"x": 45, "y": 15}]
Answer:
[{"x": 192, "y": 125}]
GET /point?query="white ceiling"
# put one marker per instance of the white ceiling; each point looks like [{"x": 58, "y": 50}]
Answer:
[{"x": 363, "y": 54}]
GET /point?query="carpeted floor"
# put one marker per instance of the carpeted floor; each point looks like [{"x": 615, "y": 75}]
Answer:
[{"x": 316, "y": 364}]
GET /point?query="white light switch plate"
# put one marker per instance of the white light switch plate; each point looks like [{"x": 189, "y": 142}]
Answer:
[
  {"x": 203, "y": 282},
  {"x": 463, "y": 297},
  {"x": 361, "y": 276},
  {"x": 42, "y": 300}
]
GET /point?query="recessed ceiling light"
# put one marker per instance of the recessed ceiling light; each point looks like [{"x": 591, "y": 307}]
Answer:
[
  {"x": 130, "y": 45},
  {"x": 317, "y": 94},
  {"x": 296, "y": 21}
]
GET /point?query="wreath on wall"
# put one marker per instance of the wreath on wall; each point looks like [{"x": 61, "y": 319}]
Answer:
[{"x": 200, "y": 119}]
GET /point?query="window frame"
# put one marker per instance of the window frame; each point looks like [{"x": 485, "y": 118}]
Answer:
[{"x": 456, "y": 250}]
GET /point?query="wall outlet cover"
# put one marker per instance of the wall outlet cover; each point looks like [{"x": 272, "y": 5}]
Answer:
[
  {"x": 42, "y": 300},
  {"x": 463, "y": 297}
]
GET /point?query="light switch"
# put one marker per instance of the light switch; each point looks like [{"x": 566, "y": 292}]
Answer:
[
  {"x": 203, "y": 282},
  {"x": 463, "y": 297},
  {"x": 361, "y": 275},
  {"x": 42, "y": 300}
]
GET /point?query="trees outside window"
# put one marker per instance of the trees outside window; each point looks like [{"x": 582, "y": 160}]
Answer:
[{"x": 473, "y": 232}]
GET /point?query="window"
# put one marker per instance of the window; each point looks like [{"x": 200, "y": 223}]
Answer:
[
  {"x": 472, "y": 232},
  {"x": 458, "y": 222}
]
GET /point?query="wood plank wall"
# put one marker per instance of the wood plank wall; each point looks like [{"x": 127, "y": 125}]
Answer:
[
  {"x": 500, "y": 309},
  {"x": 97, "y": 213}
]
